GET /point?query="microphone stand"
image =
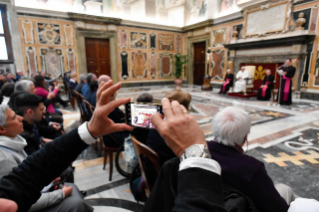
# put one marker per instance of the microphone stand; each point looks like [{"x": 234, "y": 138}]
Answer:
[{"x": 279, "y": 89}]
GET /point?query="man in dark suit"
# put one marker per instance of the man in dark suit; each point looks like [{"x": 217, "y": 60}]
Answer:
[
  {"x": 286, "y": 84},
  {"x": 264, "y": 92},
  {"x": 21, "y": 188},
  {"x": 228, "y": 82}
]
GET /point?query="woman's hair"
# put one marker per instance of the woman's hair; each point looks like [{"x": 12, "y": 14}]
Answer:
[
  {"x": 145, "y": 97},
  {"x": 182, "y": 97},
  {"x": 7, "y": 89},
  {"x": 231, "y": 125},
  {"x": 38, "y": 81}
]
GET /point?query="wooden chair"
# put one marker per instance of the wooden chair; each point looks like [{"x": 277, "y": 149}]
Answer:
[
  {"x": 143, "y": 150},
  {"x": 108, "y": 151}
]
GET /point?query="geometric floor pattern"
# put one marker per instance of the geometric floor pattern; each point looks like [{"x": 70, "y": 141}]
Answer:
[{"x": 286, "y": 139}]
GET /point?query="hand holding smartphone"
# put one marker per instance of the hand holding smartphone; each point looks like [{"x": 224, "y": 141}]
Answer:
[{"x": 139, "y": 114}]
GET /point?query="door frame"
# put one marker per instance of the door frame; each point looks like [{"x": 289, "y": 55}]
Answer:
[
  {"x": 190, "y": 50},
  {"x": 81, "y": 34}
]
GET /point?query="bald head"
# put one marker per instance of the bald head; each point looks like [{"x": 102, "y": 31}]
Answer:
[{"x": 104, "y": 78}]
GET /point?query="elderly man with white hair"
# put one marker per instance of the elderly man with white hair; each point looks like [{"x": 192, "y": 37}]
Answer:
[
  {"x": 245, "y": 173},
  {"x": 12, "y": 154},
  {"x": 241, "y": 77}
]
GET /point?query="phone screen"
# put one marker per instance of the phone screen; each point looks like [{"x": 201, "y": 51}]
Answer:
[{"x": 139, "y": 115}]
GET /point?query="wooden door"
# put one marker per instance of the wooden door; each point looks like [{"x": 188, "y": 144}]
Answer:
[
  {"x": 98, "y": 56},
  {"x": 199, "y": 63}
]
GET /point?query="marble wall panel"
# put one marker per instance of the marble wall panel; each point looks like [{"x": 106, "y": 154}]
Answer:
[
  {"x": 153, "y": 66},
  {"x": 178, "y": 43},
  {"x": 124, "y": 65},
  {"x": 31, "y": 57},
  {"x": 27, "y": 28},
  {"x": 49, "y": 33},
  {"x": 316, "y": 76},
  {"x": 217, "y": 65},
  {"x": 166, "y": 42},
  {"x": 138, "y": 40},
  {"x": 219, "y": 37},
  {"x": 71, "y": 58},
  {"x": 139, "y": 64},
  {"x": 313, "y": 20},
  {"x": 69, "y": 35},
  {"x": 123, "y": 39},
  {"x": 152, "y": 41},
  {"x": 165, "y": 65},
  {"x": 52, "y": 61}
]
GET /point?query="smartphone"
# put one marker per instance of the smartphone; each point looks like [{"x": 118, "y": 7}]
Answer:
[
  {"x": 56, "y": 185},
  {"x": 139, "y": 114}
]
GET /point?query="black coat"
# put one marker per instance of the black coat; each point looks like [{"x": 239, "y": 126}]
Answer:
[
  {"x": 229, "y": 85},
  {"x": 24, "y": 184},
  {"x": 270, "y": 79},
  {"x": 290, "y": 74},
  {"x": 78, "y": 88},
  {"x": 29, "y": 135}
]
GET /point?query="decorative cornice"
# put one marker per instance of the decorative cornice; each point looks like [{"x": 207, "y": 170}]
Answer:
[
  {"x": 94, "y": 19},
  {"x": 228, "y": 18},
  {"x": 199, "y": 25},
  {"x": 41, "y": 12}
]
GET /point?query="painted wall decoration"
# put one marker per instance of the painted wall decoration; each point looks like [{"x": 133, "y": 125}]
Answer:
[
  {"x": 153, "y": 66},
  {"x": 313, "y": 20},
  {"x": 71, "y": 60},
  {"x": 165, "y": 42},
  {"x": 49, "y": 33},
  {"x": 69, "y": 35},
  {"x": 46, "y": 41},
  {"x": 31, "y": 57},
  {"x": 139, "y": 64},
  {"x": 316, "y": 74},
  {"x": 226, "y": 5},
  {"x": 27, "y": 28},
  {"x": 178, "y": 43},
  {"x": 165, "y": 65},
  {"x": 52, "y": 61},
  {"x": 218, "y": 64},
  {"x": 124, "y": 65},
  {"x": 138, "y": 40},
  {"x": 152, "y": 41},
  {"x": 219, "y": 37},
  {"x": 123, "y": 39}
]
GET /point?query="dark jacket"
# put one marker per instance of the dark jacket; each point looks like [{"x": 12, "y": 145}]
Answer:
[
  {"x": 249, "y": 176},
  {"x": 47, "y": 131},
  {"x": 270, "y": 79},
  {"x": 24, "y": 183},
  {"x": 73, "y": 84},
  {"x": 193, "y": 190},
  {"x": 29, "y": 135},
  {"x": 79, "y": 87}
]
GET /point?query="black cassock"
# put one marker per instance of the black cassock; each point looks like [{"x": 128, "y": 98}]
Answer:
[
  {"x": 263, "y": 93},
  {"x": 225, "y": 87},
  {"x": 286, "y": 84}
]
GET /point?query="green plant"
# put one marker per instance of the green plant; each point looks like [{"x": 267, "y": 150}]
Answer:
[{"x": 180, "y": 60}]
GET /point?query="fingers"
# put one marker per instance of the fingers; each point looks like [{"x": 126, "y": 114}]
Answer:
[
  {"x": 176, "y": 108},
  {"x": 167, "y": 109},
  {"x": 102, "y": 88},
  {"x": 116, "y": 103},
  {"x": 121, "y": 127},
  {"x": 106, "y": 94},
  {"x": 183, "y": 108},
  {"x": 157, "y": 120}
]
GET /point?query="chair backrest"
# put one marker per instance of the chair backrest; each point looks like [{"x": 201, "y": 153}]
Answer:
[
  {"x": 251, "y": 70},
  {"x": 79, "y": 101},
  {"x": 143, "y": 150}
]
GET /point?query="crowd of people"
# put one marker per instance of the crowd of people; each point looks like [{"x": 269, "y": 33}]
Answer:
[{"x": 36, "y": 154}]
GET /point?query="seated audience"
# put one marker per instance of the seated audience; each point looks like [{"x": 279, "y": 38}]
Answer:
[
  {"x": 41, "y": 91},
  {"x": 73, "y": 80},
  {"x": 91, "y": 94},
  {"x": 81, "y": 84},
  {"x": 66, "y": 76},
  {"x": 12, "y": 154},
  {"x": 241, "y": 77},
  {"x": 3, "y": 80},
  {"x": 7, "y": 90},
  {"x": 154, "y": 140},
  {"x": 86, "y": 88},
  {"x": 34, "y": 74},
  {"x": 10, "y": 77},
  {"x": 264, "y": 92},
  {"x": 139, "y": 133},
  {"x": 175, "y": 128},
  {"x": 228, "y": 83},
  {"x": 19, "y": 75}
]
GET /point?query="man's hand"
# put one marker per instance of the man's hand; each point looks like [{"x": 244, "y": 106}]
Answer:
[
  {"x": 56, "y": 126},
  {"x": 46, "y": 140},
  {"x": 67, "y": 191},
  {"x": 284, "y": 73},
  {"x": 179, "y": 130},
  {"x": 100, "y": 124}
]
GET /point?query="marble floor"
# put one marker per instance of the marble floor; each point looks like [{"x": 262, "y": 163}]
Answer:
[{"x": 284, "y": 138}]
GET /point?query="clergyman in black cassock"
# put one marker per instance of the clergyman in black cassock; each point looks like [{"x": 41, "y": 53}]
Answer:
[
  {"x": 228, "y": 83},
  {"x": 264, "y": 92},
  {"x": 286, "y": 84}
]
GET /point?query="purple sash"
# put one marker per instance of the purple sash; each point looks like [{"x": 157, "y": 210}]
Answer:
[
  {"x": 263, "y": 94},
  {"x": 226, "y": 83},
  {"x": 287, "y": 87}
]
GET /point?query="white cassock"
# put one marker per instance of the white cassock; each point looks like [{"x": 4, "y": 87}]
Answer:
[{"x": 240, "y": 84}]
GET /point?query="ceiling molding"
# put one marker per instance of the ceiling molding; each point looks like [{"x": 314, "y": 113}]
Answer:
[
  {"x": 203, "y": 24},
  {"x": 94, "y": 19},
  {"x": 228, "y": 18}
]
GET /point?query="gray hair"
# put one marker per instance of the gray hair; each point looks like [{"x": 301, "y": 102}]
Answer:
[
  {"x": 231, "y": 125},
  {"x": 82, "y": 77},
  {"x": 3, "y": 115},
  {"x": 23, "y": 86}
]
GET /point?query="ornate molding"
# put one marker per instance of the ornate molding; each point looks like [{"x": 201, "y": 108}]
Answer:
[
  {"x": 95, "y": 19},
  {"x": 199, "y": 25}
]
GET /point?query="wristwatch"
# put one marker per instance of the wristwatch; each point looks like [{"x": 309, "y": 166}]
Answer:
[{"x": 196, "y": 150}]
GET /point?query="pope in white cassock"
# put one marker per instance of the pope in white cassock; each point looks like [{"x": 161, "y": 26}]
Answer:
[{"x": 241, "y": 77}]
